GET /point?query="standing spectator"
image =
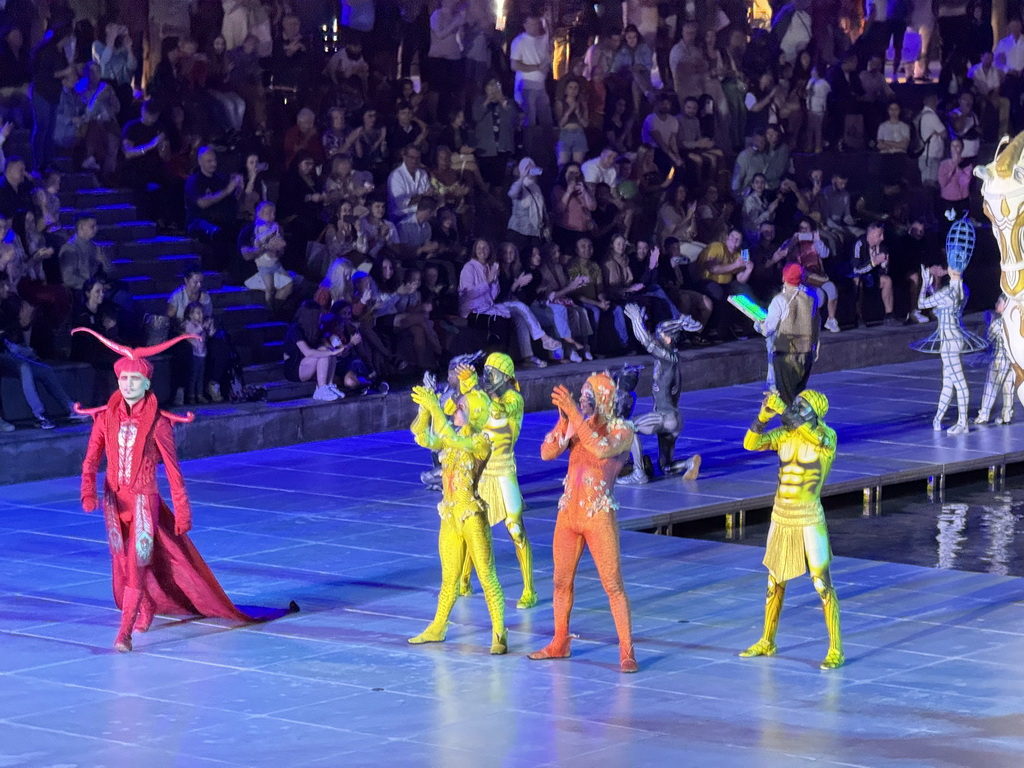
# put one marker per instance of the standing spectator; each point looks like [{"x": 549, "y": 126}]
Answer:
[
  {"x": 897, "y": 19},
  {"x": 931, "y": 133},
  {"x": 218, "y": 347},
  {"x": 446, "y": 67},
  {"x": 877, "y": 93},
  {"x": 572, "y": 207},
  {"x": 245, "y": 77},
  {"x": 892, "y": 142},
  {"x": 573, "y": 119},
  {"x": 844, "y": 98},
  {"x": 632, "y": 66},
  {"x": 415, "y": 35},
  {"x": 197, "y": 324},
  {"x": 211, "y": 207},
  {"x": 952, "y": 18},
  {"x": 1009, "y": 57},
  {"x": 495, "y": 133},
  {"x": 791, "y": 29},
  {"x": 530, "y": 55},
  {"x": 300, "y": 204},
  {"x": 734, "y": 87},
  {"x": 977, "y": 36},
  {"x": 965, "y": 125},
  {"x": 987, "y": 80},
  {"x": 50, "y": 64},
  {"x": 818, "y": 90},
  {"x": 15, "y": 75},
  {"x": 116, "y": 60},
  {"x": 529, "y": 214},
  {"x": 954, "y": 177},
  {"x": 687, "y": 65},
  {"x": 142, "y": 168}
]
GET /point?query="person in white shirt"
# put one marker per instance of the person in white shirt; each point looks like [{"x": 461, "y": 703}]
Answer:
[
  {"x": 988, "y": 82},
  {"x": 1009, "y": 57},
  {"x": 818, "y": 89},
  {"x": 893, "y": 136},
  {"x": 407, "y": 185},
  {"x": 661, "y": 130},
  {"x": 601, "y": 170},
  {"x": 530, "y": 55},
  {"x": 932, "y": 133}
]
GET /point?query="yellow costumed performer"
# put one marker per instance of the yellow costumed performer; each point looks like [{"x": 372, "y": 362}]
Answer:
[
  {"x": 499, "y": 485},
  {"x": 463, "y": 516},
  {"x": 798, "y": 537}
]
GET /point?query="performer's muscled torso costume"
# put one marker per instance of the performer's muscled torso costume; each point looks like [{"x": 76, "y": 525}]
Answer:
[
  {"x": 587, "y": 510},
  {"x": 463, "y": 514},
  {"x": 798, "y": 537}
]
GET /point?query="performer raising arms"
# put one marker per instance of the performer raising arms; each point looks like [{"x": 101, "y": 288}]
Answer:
[
  {"x": 156, "y": 568},
  {"x": 798, "y": 537},
  {"x": 598, "y": 443},
  {"x": 463, "y": 516},
  {"x": 499, "y": 484},
  {"x": 664, "y": 421}
]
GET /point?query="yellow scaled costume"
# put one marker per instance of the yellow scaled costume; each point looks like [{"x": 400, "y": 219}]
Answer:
[
  {"x": 499, "y": 484},
  {"x": 463, "y": 516},
  {"x": 798, "y": 537}
]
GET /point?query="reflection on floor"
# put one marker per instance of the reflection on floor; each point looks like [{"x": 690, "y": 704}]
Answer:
[{"x": 933, "y": 677}]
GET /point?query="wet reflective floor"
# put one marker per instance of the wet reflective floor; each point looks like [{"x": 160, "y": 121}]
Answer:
[{"x": 972, "y": 529}]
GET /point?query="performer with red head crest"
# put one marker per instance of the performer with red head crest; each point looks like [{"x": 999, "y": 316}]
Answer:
[{"x": 156, "y": 568}]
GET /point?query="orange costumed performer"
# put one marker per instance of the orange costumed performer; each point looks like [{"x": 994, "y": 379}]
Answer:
[
  {"x": 156, "y": 568},
  {"x": 598, "y": 443}
]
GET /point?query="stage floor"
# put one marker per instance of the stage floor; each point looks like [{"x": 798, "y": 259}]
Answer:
[{"x": 933, "y": 676}]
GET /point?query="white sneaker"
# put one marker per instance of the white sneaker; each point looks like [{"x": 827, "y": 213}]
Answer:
[
  {"x": 534, "y": 361},
  {"x": 960, "y": 428},
  {"x": 335, "y": 390},
  {"x": 575, "y": 357},
  {"x": 325, "y": 393},
  {"x": 832, "y": 325},
  {"x": 918, "y": 317}
]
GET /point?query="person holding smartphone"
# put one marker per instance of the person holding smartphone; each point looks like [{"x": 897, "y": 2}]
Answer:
[
  {"x": 807, "y": 249},
  {"x": 724, "y": 273}
]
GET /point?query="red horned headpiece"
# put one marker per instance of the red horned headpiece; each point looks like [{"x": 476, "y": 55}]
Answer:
[{"x": 134, "y": 360}]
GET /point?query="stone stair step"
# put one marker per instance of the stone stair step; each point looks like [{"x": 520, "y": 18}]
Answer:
[
  {"x": 91, "y": 198},
  {"x": 258, "y": 333},
  {"x": 105, "y": 215},
  {"x": 158, "y": 245},
  {"x": 283, "y": 390},
  {"x": 255, "y": 354},
  {"x": 167, "y": 266},
  {"x": 78, "y": 180},
  {"x": 126, "y": 230},
  {"x": 263, "y": 373}
]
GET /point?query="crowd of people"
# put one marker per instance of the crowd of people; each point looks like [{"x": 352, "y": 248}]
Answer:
[{"x": 409, "y": 179}]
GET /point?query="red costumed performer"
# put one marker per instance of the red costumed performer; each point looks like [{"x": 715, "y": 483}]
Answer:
[
  {"x": 598, "y": 442},
  {"x": 156, "y": 568}
]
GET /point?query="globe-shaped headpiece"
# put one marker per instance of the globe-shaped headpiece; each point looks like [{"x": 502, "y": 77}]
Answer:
[{"x": 960, "y": 244}]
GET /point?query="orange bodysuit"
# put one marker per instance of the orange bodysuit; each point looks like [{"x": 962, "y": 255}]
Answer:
[{"x": 598, "y": 447}]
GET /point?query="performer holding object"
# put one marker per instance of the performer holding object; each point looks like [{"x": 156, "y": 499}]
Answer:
[
  {"x": 156, "y": 568},
  {"x": 951, "y": 339},
  {"x": 499, "y": 484},
  {"x": 463, "y": 516},
  {"x": 598, "y": 442},
  {"x": 798, "y": 537},
  {"x": 448, "y": 396},
  {"x": 1000, "y": 372},
  {"x": 664, "y": 421}
]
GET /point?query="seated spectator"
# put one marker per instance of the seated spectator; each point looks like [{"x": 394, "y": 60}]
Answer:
[
  {"x": 376, "y": 233},
  {"x": 400, "y": 315},
  {"x": 661, "y": 131},
  {"x": 268, "y": 247},
  {"x": 965, "y": 125},
  {"x": 749, "y": 162},
  {"x": 955, "y": 175},
  {"x": 19, "y": 361},
  {"x": 307, "y": 354},
  {"x": 836, "y": 212},
  {"x": 371, "y": 147},
  {"x": 303, "y": 138},
  {"x": 211, "y": 208},
  {"x": 16, "y": 189},
  {"x": 455, "y": 185},
  {"x": 336, "y": 138},
  {"x": 724, "y": 271},
  {"x": 807, "y": 249},
  {"x": 777, "y": 162},
  {"x": 407, "y": 185},
  {"x": 245, "y": 77},
  {"x": 415, "y": 236},
  {"x": 713, "y": 216},
  {"x": 254, "y": 186},
  {"x": 572, "y": 117},
  {"x": 700, "y": 149},
  {"x": 877, "y": 94},
  {"x": 229, "y": 105},
  {"x": 601, "y": 170},
  {"x": 93, "y": 311},
  {"x": 348, "y": 68},
  {"x": 761, "y": 104},
  {"x": 337, "y": 285},
  {"x": 572, "y": 207},
  {"x": 15, "y": 75},
  {"x": 81, "y": 259},
  {"x": 342, "y": 333},
  {"x": 675, "y": 275},
  {"x": 340, "y": 236},
  {"x": 915, "y": 249},
  {"x": 620, "y": 127},
  {"x": 768, "y": 259},
  {"x": 632, "y": 67},
  {"x": 478, "y": 291},
  {"x": 871, "y": 270},
  {"x": 407, "y": 130},
  {"x": 640, "y": 285},
  {"x": 300, "y": 203},
  {"x": 590, "y": 293},
  {"x": 568, "y": 320},
  {"x": 757, "y": 207},
  {"x": 677, "y": 218},
  {"x": 98, "y": 122}
]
